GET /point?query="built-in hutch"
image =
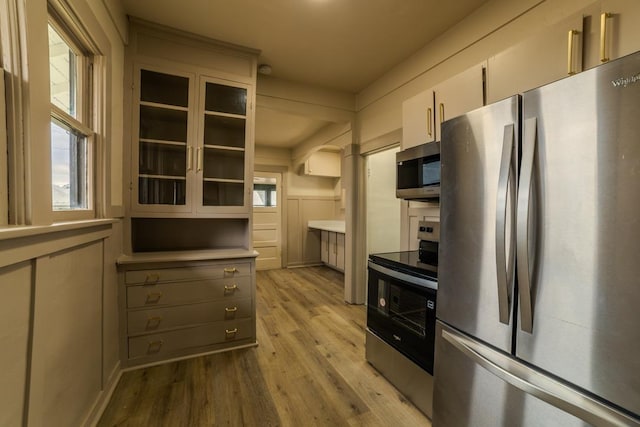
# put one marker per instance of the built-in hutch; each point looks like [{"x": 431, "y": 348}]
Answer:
[{"x": 187, "y": 279}]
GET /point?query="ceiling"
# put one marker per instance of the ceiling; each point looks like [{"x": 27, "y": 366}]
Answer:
[{"x": 336, "y": 44}]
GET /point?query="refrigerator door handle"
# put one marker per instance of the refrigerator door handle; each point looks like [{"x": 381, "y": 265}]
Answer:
[
  {"x": 538, "y": 385},
  {"x": 522, "y": 234},
  {"x": 504, "y": 266}
]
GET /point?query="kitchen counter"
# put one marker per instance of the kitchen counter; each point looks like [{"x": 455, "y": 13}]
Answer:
[{"x": 336, "y": 226}]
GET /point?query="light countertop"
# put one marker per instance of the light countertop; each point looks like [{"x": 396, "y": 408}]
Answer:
[{"x": 334, "y": 225}]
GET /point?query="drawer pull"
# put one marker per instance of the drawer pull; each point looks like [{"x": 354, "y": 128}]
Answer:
[
  {"x": 153, "y": 322},
  {"x": 231, "y": 333},
  {"x": 151, "y": 278},
  {"x": 230, "y": 288},
  {"x": 154, "y": 346},
  {"x": 230, "y": 312},
  {"x": 231, "y": 270},
  {"x": 231, "y": 309},
  {"x": 153, "y": 297}
]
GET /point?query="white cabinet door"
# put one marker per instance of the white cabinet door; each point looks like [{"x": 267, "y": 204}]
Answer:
[
  {"x": 333, "y": 250},
  {"x": 340, "y": 251},
  {"x": 423, "y": 113},
  {"x": 162, "y": 141},
  {"x": 417, "y": 120},
  {"x": 224, "y": 155},
  {"x": 324, "y": 246},
  {"x": 552, "y": 54},
  {"x": 323, "y": 163},
  {"x": 619, "y": 27},
  {"x": 458, "y": 95}
]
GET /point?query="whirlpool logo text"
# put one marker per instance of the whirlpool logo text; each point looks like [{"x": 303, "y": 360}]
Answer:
[{"x": 626, "y": 81}]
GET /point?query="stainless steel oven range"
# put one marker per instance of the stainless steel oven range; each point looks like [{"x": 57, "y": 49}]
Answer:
[{"x": 401, "y": 314}]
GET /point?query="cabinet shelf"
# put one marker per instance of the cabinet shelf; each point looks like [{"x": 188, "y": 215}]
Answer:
[
  {"x": 171, "y": 177},
  {"x": 162, "y": 141},
  {"x": 221, "y": 114},
  {"x": 166, "y": 106},
  {"x": 224, "y": 147},
  {"x": 235, "y": 181}
]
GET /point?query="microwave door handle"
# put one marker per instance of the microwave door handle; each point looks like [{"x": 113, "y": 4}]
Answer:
[
  {"x": 522, "y": 232},
  {"x": 504, "y": 266}
]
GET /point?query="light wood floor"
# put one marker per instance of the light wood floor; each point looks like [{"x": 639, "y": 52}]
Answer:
[{"x": 309, "y": 369}]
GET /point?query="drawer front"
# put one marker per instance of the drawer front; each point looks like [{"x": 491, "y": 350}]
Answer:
[
  {"x": 160, "y": 319},
  {"x": 226, "y": 270},
  {"x": 164, "y": 344},
  {"x": 164, "y": 294}
]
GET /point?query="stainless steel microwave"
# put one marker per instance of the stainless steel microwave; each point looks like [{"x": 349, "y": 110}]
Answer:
[{"x": 418, "y": 172}]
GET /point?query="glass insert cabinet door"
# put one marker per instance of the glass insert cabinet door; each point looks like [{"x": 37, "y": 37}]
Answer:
[
  {"x": 222, "y": 156},
  {"x": 163, "y": 156}
]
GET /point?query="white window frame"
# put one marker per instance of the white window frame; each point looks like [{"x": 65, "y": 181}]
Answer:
[
  {"x": 4, "y": 165},
  {"x": 86, "y": 106}
]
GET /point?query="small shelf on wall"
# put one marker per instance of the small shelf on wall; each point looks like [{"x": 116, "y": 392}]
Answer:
[{"x": 188, "y": 234}]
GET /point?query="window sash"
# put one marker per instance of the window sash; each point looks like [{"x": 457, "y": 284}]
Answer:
[{"x": 82, "y": 155}]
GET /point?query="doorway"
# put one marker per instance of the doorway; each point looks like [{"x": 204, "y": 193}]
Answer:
[
  {"x": 383, "y": 208},
  {"x": 267, "y": 219}
]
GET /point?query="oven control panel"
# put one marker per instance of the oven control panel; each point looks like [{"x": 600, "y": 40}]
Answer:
[{"x": 429, "y": 230}]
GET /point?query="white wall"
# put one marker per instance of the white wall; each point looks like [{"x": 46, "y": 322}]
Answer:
[{"x": 68, "y": 316}]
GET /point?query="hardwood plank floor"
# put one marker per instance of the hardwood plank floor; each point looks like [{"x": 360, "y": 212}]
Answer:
[{"x": 308, "y": 370}]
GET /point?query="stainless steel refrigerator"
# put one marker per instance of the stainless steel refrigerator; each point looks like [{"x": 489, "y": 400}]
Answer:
[{"x": 539, "y": 263}]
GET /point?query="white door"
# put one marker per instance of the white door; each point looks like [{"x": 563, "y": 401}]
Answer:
[
  {"x": 383, "y": 208},
  {"x": 267, "y": 228}
]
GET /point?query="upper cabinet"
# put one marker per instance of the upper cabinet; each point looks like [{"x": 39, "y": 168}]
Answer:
[
  {"x": 323, "y": 163},
  {"x": 179, "y": 169},
  {"x": 418, "y": 120},
  {"x": 423, "y": 113},
  {"x": 554, "y": 53},
  {"x": 191, "y": 126}
]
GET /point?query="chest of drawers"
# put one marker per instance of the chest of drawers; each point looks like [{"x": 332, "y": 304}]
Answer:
[{"x": 179, "y": 307}]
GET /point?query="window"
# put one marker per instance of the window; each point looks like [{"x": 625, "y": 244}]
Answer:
[
  {"x": 71, "y": 128},
  {"x": 264, "y": 192}
]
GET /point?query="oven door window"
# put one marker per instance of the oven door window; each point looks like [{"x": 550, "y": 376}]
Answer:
[
  {"x": 404, "y": 316},
  {"x": 408, "y": 309}
]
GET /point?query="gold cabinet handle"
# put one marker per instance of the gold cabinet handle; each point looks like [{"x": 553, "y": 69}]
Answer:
[
  {"x": 231, "y": 333},
  {"x": 153, "y": 297},
  {"x": 153, "y": 322},
  {"x": 603, "y": 36},
  {"x": 151, "y": 279},
  {"x": 429, "y": 125},
  {"x": 154, "y": 346},
  {"x": 189, "y": 158},
  {"x": 230, "y": 270},
  {"x": 199, "y": 160},
  {"x": 231, "y": 309},
  {"x": 441, "y": 113},
  {"x": 570, "y": 42},
  {"x": 230, "y": 288}
]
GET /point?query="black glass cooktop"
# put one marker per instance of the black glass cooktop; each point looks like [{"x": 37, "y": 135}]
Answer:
[{"x": 406, "y": 262}]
